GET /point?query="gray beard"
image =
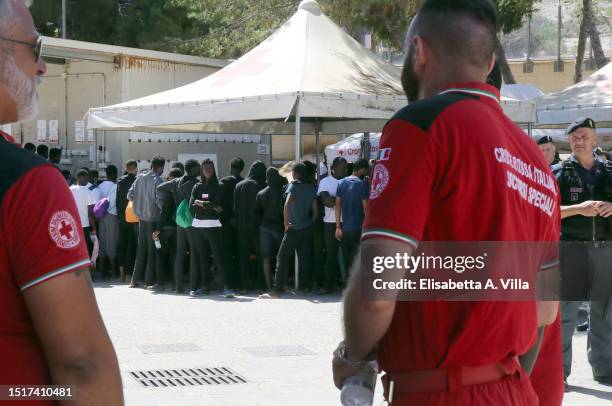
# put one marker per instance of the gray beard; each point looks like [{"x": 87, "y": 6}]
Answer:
[{"x": 21, "y": 89}]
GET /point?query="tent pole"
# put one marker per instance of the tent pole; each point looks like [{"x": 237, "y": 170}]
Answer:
[
  {"x": 298, "y": 134},
  {"x": 317, "y": 148},
  {"x": 298, "y": 155},
  {"x": 530, "y": 129}
]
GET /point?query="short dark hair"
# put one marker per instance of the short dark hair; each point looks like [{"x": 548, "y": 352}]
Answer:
[
  {"x": 158, "y": 162},
  {"x": 460, "y": 30},
  {"x": 190, "y": 164},
  {"x": 30, "y": 147},
  {"x": 55, "y": 152},
  {"x": 300, "y": 171},
  {"x": 179, "y": 165},
  {"x": 361, "y": 163},
  {"x": 131, "y": 163},
  {"x": 112, "y": 171},
  {"x": 237, "y": 163},
  {"x": 338, "y": 161},
  {"x": 175, "y": 172},
  {"x": 43, "y": 150},
  {"x": 82, "y": 172}
]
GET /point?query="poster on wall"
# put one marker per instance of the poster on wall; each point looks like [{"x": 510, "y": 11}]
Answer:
[
  {"x": 41, "y": 130},
  {"x": 79, "y": 132},
  {"x": 53, "y": 131}
]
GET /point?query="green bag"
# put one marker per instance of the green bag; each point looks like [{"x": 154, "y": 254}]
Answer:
[{"x": 183, "y": 215}]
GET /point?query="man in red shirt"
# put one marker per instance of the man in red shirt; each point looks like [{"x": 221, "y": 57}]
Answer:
[
  {"x": 452, "y": 168},
  {"x": 51, "y": 331}
]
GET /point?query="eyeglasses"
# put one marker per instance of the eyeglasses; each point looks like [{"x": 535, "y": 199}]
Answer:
[{"x": 36, "y": 47}]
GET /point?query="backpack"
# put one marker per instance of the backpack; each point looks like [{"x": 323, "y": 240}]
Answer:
[
  {"x": 184, "y": 218},
  {"x": 101, "y": 208}
]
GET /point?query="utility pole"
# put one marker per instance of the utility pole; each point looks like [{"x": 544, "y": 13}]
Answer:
[
  {"x": 559, "y": 63},
  {"x": 64, "y": 19}
]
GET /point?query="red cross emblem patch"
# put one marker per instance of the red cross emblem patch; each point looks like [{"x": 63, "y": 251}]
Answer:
[{"x": 64, "y": 230}]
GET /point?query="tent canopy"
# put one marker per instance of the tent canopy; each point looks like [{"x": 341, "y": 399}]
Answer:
[
  {"x": 309, "y": 68},
  {"x": 590, "y": 98},
  {"x": 521, "y": 91},
  {"x": 309, "y": 64}
]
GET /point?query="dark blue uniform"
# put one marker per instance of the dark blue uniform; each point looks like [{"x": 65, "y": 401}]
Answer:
[{"x": 586, "y": 257}]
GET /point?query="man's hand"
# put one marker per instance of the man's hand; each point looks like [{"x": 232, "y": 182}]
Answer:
[
  {"x": 338, "y": 234},
  {"x": 343, "y": 369},
  {"x": 287, "y": 227},
  {"x": 605, "y": 209},
  {"x": 590, "y": 208}
]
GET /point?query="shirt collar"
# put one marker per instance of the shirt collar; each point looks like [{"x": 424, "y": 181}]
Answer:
[{"x": 485, "y": 91}]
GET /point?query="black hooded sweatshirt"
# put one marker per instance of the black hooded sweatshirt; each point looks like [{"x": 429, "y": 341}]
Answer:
[
  {"x": 245, "y": 194},
  {"x": 269, "y": 203}
]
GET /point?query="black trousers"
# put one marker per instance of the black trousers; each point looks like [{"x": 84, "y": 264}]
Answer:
[
  {"x": 209, "y": 241},
  {"x": 87, "y": 233},
  {"x": 350, "y": 247},
  {"x": 318, "y": 247},
  {"x": 128, "y": 243},
  {"x": 182, "y": 255},
  {"x": 146, "y": 256},
  {"x": 248, "y": 244},
  {"x": 166, "y": 256},
  {"x": 300, "y": 240},
  {"x": 230, "y": 244},
  {"x": 332, "y": 246}
]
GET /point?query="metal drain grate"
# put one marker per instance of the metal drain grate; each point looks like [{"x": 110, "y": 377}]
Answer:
[{"x": 169, "y": 378}]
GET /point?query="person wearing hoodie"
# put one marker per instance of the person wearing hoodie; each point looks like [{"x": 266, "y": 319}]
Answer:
[
  {"x": 269, "y": 205},
  {"x": 147, "y": 205},
  {"x": 246, "y": 226},
  {"x": 228, "y": 220},
  {"x": 205, "y": 205},
  {"x": 180, "y": 189}
]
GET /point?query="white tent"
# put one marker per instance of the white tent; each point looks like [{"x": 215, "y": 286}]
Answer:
[
  {"x": 309, "y": 71},
  {"x": 521, "y": 91},
  {"x": 308, "y": 77},
  {"x": 590, "y": 98}
]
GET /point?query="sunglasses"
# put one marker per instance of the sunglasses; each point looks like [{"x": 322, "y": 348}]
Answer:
[{"x": 36, "y": 47}]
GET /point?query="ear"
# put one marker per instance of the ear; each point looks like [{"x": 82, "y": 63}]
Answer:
[
  {"x": 491, "y": 64},
  {"x": 420, "y": 54}
]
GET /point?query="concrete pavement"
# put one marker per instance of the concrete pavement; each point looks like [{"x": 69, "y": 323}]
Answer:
[{"x": 281, "y": 347}]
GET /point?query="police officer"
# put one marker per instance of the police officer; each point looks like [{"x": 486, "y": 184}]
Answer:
[
  {"x": 585, "y": 184},
  {"x": 549, "y": 150}
]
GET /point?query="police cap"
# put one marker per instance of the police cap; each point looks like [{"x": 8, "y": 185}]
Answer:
[{"x": 580, "y": 123}]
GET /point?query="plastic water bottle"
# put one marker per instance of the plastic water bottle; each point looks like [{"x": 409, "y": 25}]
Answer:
[
  {"x": 157, "y": 243},
  {"x": 358, "y": 390}
]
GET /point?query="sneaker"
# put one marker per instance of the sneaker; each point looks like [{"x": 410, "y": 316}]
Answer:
[
  {"x": 134, "y": 285},
  {"x": 229, "y": 294},
  {"x": 197, "y": 292},
  {"x": 269, "y": 296},
  {"x": 604, "y": 379}
]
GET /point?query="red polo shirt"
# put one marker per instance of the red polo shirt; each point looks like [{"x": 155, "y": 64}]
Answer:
[
  {"x": 447, "y": 171},
  {"x": 40, "y": 239}
]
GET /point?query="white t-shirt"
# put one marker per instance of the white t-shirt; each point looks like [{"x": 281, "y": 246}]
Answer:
[
  {"x": 83, "y": 197},
  {"x": 108, "y": 189},
  {"x": 329, "y": 184}
]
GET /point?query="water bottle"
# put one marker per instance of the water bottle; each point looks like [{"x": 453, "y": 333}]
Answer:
[
  {"x": 358, "y": 390},
  {"x": 157, "y": 243}
]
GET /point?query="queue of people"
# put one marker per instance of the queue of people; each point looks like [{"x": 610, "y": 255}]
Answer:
[{"x": 194, "y": 233}]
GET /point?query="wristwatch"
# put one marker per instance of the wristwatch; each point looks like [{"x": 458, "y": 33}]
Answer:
[{"x": 342, "y": 356}]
